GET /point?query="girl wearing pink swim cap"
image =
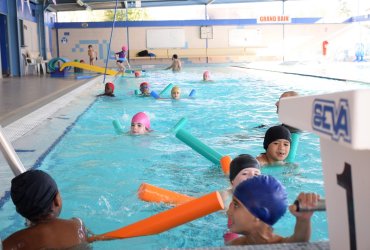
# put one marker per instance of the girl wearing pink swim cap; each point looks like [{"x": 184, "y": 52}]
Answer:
[
  {"x": 121, "y": 58},
  {"x": 140, "y": 124},
  {"x": 206, "y": 75}
]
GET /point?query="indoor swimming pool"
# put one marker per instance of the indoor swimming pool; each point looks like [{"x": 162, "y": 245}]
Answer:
[{"x": 99, "y": 171}]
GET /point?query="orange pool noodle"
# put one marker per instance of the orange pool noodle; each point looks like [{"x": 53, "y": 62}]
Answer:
[
  {"x": 225, "y": 164},
  {"x": 168, "y": 219},
  {"x": 152, "y": 193}
]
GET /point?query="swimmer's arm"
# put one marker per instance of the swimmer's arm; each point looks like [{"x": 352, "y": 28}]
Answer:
[{"x": 302, "y": 230}]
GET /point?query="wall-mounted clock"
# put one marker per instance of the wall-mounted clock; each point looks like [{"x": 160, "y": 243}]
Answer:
[{"x": 206, "y": 32}]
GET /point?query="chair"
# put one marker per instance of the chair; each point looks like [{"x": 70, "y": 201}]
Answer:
[
  {"x": 29, "y": 62},
  {"x": 40, "y": 62}
]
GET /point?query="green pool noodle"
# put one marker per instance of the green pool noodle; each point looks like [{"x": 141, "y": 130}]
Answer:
[
  {"x": 164, "y": 91},
  {"x": 293, "y": 147},
  {"x": 118, "y": 127},
  {"x": 196, "y": 144},
  {"x": 137, "y": 92}
]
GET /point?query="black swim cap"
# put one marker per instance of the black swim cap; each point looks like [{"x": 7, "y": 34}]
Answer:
[
  {"x": 33, "y": 193},
  {"x": 241, "y": 162},
  {"x": 276, "y": 133}
]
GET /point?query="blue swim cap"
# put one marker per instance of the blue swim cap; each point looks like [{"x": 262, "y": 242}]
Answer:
[{"x": 264, "y": 197}]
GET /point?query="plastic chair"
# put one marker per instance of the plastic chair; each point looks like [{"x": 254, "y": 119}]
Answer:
[{"x": 27, "y": 63}]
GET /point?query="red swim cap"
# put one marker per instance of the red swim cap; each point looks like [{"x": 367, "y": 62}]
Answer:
[
  {"x": 144, "y": 84},
  {"x": 137, "y": 73},
  {"x": 110, "y": 85}
]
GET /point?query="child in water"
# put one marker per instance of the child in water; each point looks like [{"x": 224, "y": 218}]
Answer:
[
  {"x": 176, "y": 64},
  {"x": 206, "y": 76},
  {"x": 108, "y": 90},
  {"x": 137, "y": 74},
  {"x": 277, "y": 145},
  {"x": 258, "y": 203},
  {"x": 140, "y": 124},
  {"x": 36, "y": 197},
  {"x": 144, "y": 89},
  {"x": 242, "y": 168},
  {"x": 175, "y": 93}
]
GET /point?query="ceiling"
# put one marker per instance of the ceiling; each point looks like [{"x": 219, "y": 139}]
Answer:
[{"x": 73, "y": 5}]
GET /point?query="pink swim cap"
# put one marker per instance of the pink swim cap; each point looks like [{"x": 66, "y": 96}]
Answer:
[
  {"x": 206, "y": 73},
  {"x": 142, "y": 118},
  {"x": 124, "y": 48}
]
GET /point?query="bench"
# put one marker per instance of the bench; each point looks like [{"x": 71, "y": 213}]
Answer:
[
  {"x": 159, "y": 54},
  {"x": 213, "y": 54}
]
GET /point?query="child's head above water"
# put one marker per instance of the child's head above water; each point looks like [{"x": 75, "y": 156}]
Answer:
[
  {"x": 206, "y": 75},
  {"x": 140, "y": 123},
  {"x": 243, "y": 167},
  {"x": 109, "y": 88},
  {"x": 284, "y": 95},
  {"x": 137, "y": 74},
  {"x": 124, "y": 48},
  {"x": 264, "y": 197},
  {"x": 33, "y": 193},
  {"x": 175, "y": 93},
  {"x": 144, "y": 88},
  {"x": 277, "y": 143}
]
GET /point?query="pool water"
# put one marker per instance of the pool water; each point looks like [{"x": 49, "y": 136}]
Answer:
[{"x": 99, "y": 171}]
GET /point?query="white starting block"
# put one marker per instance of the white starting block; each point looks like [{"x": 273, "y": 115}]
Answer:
[{"x": 342, "y": 120}]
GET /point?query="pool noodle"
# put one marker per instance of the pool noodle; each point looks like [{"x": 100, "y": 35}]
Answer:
[
  {"x": 225, "y": 164},
  {"x": 192, "y": 93},
  {"x": 84, "y": 77},
  {"x": 152, "y": 193},
  {"x": 118, "y": 127},
  {"x": 164, "y": 91},
  {"x": 137, "y": 92},
  {"x": 196, "y": 144},
  {"x": 293, "y": 147},
  {"x": 168, "y": 219},
  {"x": 10, "y": 155},
  {"x": 154, "y": 94}
]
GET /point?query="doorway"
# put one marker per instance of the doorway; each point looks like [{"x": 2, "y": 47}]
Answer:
[{"x": 4, "y": 51}]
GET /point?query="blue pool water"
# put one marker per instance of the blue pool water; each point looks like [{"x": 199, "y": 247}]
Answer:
[{"x": 99, "y": 172}]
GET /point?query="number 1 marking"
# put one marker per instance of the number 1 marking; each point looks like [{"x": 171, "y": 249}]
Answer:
[{"x": 345, "y": 181}]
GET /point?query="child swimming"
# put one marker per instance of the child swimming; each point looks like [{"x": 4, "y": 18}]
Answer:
[
  {"x": 36, "y": 197},
  {"x": 144, "y": 89},
  {"x": 258, "y": 203},
  {"x": 277, "y": 145},
  {"x": 108, "y": 90},
  {"x": 175, "y": 93},
  {"x": 206, "y": 76},
  {"x": 140, "y": 124},
  {"x": 242, "y": 167},
  {"x": 137, "y": 74}
]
